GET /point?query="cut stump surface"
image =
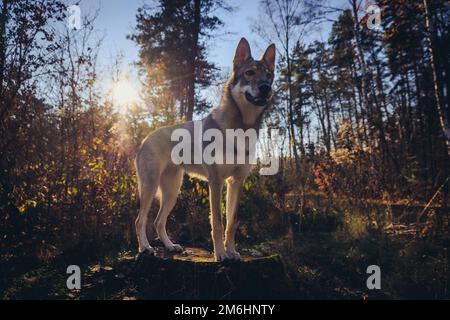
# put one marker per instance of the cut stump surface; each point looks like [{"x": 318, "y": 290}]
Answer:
[{"x": 194, "y": 274}]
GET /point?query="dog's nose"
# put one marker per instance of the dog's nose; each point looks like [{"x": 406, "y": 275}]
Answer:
[{"x": 264, "y": 89}]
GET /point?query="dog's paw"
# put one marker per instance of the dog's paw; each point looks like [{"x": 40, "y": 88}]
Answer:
[
  {"x": 147, "y": 251},
  {"x": 221, "y": 256},
  {"x": 233, "y": 255},
  {"x": 175, "y": 248}
]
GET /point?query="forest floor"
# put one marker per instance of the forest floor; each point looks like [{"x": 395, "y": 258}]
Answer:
[{"x": 316, "y": 265}]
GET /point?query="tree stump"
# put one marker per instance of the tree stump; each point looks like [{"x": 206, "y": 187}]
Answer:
[{"x": 194, "y": 274}]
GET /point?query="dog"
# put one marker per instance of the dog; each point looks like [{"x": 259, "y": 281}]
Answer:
[{"x": 245, "y": 98}]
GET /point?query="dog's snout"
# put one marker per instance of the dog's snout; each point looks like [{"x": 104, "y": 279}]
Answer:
[{"x": 264, "y": 89}]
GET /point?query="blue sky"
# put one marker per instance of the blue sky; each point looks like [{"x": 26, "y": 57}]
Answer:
[{"x": 117, "y": 18}]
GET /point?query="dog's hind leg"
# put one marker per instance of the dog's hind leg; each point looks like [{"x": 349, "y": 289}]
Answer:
[
  {"x": 148, "y": 181},
  {"x": 170, "y": 184},
  {"x": 147, "y": 193}
]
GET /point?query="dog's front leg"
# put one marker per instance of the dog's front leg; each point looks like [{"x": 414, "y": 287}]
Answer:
[
  {"x": 234, "y": 190},
  {"x": 215, "y": 192}
]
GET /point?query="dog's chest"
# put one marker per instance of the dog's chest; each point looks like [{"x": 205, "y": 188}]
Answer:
[{"x": 221, "y": 171}]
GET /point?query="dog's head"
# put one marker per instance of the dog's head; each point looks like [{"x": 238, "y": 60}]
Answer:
[{"x": 251, "y": 87}]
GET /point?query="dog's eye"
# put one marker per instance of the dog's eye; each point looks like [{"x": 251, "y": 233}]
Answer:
[
  {"x": 269, "y": 75},
  {"x": 250, "y": 73}
]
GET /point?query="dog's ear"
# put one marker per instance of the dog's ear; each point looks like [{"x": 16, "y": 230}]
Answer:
[
  {"x": 242, "y": 53},
  {"x": 269, "y": 56}
]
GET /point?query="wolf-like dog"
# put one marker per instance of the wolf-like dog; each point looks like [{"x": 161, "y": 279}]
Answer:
[{"x": 244, "y": 100}]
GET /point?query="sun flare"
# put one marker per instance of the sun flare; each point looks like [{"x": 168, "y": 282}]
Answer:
[{"x": 124, "y": 93}]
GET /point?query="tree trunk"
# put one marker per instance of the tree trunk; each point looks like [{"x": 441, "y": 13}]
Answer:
[
  {"x": 193, "y": 60},
  {"x": 3, "y": 21},
  {"x": 293, "y": 141},
  {"x": 363, "y": 67},
  {"x": 443, "y": 116}
]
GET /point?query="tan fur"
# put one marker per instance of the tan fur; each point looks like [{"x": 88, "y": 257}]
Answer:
[{"x": 158, "y": 174}]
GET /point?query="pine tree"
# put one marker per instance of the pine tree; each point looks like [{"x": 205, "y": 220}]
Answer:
[{"x": 173, "y": 37}]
